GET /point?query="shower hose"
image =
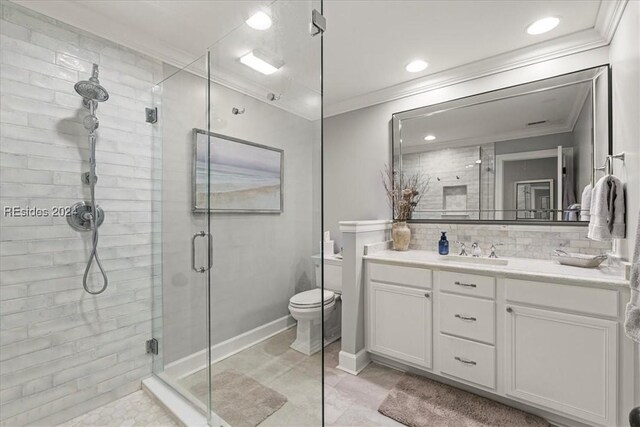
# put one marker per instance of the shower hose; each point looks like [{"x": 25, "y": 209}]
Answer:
[{"x": 93, "y": 218}]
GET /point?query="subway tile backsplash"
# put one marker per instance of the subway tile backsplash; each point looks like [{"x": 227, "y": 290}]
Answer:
[{"x": 523, "y": 241}]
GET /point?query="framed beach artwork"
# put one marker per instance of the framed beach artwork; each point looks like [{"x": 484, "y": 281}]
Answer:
[{"x": 245, "y": 177}]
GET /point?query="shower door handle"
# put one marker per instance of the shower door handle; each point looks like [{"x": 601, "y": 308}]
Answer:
[{"x": 193, "y": 251}]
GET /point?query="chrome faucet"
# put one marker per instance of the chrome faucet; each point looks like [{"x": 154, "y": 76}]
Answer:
[
  {"x": 475, "y": 250},
  {"x": 463, "y": 249},
  {"x": 493, "y": 250}
]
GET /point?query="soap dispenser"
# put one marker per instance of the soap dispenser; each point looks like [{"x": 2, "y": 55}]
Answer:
[{"x": 443, "y": 244}]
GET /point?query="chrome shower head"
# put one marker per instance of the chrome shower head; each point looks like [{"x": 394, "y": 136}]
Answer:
[
  {"x": 91, "y": 89},
  {"x": 91, "y": 123}
]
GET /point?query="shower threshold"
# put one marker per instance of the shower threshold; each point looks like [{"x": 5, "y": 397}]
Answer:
[{"x": 183, "y": 411}]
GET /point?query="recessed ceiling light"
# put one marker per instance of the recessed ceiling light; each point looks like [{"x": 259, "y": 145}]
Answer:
[
  {"x": 543, "y": 25},
  {"x": 260, "y": 61},
  {"x": 259, "y": 21},
  {"x": 416, "y": 66},
  {"x": 429, "y": 137}
]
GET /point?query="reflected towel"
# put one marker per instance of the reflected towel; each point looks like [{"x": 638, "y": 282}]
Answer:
[
  {"x": 607, "y": 210},
  {"x": 632, "y": 313},
  {"x": 585, "y": 202},
  {"x": 568, "y": 196}
]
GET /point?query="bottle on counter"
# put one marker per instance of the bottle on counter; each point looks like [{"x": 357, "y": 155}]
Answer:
[{"x": 443, "y": 244}]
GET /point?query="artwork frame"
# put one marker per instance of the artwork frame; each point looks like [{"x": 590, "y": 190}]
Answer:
[{"x": 263, "y": 191}]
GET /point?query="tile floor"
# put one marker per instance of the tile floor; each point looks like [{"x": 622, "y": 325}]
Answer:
[
  {"x": 350, "y": 401},
  {"x": 137, "y": 409}
]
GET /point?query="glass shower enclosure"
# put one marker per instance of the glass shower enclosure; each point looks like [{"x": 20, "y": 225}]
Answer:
[{"x": 238, "y": 214}]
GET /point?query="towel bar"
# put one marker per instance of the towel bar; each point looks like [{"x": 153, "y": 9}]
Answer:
[{"x": 608, "y": 162}]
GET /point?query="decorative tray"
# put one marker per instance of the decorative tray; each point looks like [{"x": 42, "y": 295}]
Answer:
[{"x": 578, "y": 260}]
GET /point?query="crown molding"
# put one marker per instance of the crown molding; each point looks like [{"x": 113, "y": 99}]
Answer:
[
  {"x": 557, "y": 48},
  {"x": 609, "y": 15},
  {"x": 576, "y": 109},
  {"x": 607, "y": 19}
]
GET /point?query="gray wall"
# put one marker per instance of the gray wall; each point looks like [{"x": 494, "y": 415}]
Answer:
[
  {"x": 356, "y": 150},
  {"x": 544, "y": 142},
  {"x": 625, "y": 64},
  {"x": 260, "y": 260}
]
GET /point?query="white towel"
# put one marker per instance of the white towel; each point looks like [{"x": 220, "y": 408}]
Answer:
[
  {"x": 607, "y": 210},
  {"x": 632, "y": 313},
  {"x": 585, "y": 202}
]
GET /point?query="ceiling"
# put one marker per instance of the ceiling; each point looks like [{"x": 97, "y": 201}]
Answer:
[{"x": 367, "y": 43}]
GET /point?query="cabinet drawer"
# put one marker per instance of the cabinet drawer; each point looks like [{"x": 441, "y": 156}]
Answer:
[
  {"x": 468, "y": 360},
  {"x": 401, "y": 275},
  {"x": 468, "y": 317},
  {"x": 468, "y": 284},
  {"x": 602, "y": 302}
]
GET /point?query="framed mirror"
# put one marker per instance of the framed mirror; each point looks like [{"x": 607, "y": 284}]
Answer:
[{"x": 523, "y": 154}]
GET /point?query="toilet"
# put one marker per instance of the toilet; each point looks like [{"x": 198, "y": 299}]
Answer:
[{"x": 305, "y": 307}]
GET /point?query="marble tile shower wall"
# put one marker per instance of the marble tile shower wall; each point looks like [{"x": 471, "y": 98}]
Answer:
[
  {"x": 64, "y": 352},
  {"x": 449, "y": 172},
  {"x": 536, "y": 241}
]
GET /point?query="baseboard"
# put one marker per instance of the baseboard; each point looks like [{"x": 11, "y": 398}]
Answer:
[
  {"x": 353, "y": 363},
  {"x": 197, "y": 361}
]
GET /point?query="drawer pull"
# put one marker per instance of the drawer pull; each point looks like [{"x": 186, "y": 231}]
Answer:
[
  {"x": 509, "y": 310},
  {"x": 465, "y": 318},
  {"x": 427, "y": 295},
  {"x": 466, "y": 285},
  {"x": 465, "y": 361}
]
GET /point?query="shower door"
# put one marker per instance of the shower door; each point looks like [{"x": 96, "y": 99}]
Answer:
[
  {"x": 265, "y": 218},
  {"x": 182, "y": 240},
  {"x": 239, "y": 208}
]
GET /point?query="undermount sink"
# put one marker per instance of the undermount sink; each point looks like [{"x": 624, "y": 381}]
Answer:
[{"x": 474, "y": 260}]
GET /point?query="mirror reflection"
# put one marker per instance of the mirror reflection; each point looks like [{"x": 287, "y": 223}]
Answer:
[{"x": 524, "y": 153}]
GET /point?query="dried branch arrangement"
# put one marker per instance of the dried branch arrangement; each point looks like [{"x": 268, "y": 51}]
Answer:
[{"x": 403, "y": 191}]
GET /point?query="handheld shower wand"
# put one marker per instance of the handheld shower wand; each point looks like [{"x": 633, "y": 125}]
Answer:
[{"x": 89, "y": 216}]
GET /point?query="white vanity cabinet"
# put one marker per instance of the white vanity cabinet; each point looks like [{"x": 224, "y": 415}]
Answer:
[
  {"x": 400, "y": 323},
  {"x": 562, "y": 361},
  {"x": 562, "y": 353},
  {"x": 555, "y": 345},
  {"x": 399, "y": 314}
]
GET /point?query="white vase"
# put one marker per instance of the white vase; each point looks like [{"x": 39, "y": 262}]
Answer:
[{"x": 401, "y": 235}]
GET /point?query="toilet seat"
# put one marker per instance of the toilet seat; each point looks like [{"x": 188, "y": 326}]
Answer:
[{"x": 311, "y": 299}]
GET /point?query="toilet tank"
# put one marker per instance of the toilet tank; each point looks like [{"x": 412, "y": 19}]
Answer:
[{"x": 332, "y": 273}]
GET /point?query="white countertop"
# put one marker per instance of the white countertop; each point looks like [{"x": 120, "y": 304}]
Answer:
[{"x": 517, "y": 267}]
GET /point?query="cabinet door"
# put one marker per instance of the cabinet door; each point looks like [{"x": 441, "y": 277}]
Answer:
[
  {"x": 399, "y": 323},
  {"x": 564, "y": 362}
]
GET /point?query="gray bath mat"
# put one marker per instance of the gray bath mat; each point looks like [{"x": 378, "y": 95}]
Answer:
[
  {"x": 240, "y": 400},
  {"x": 420, "y": 402}
]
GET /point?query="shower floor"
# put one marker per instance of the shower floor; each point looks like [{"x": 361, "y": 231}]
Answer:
[{"x": 136, "y": 409}]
